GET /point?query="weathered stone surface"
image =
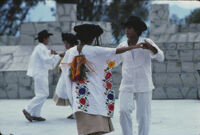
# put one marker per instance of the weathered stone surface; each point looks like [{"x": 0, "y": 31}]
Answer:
[
  {"x": 196, "y": 45},
  {"x": 196, "y": 55},
  {"x": 3, "y": 94},
  {"x": 66, "y": 12},
  {"x": 25, "y": 92},
  {"x": 24, "y": 80},
  {"x": 172, "y": 55},
  {"x": 28, "y": 29},
  {"x": 12, "y": 91},
  {"x": 170, "y": 46},
  {"x": 185, "y": 46},
  {"x": 188, "y": 79},
  {"x": 187, "y": 66},
  {"x": 173, "y": 80},
  {"x": 159, "y": 93},
  {"x": 173, "y": 66},
  {"x": 159, "y": 79},
  {"x": 186, "y": 55},
  {"x": 159, "y": 67},
  {"x": 189, "y": 92},
  {"x": 173, "y": 93}
]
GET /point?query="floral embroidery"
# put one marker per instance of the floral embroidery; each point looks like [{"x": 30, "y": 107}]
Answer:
[
  {"x": 109, "y": 93},
  {"x": 82, "y": 94}
]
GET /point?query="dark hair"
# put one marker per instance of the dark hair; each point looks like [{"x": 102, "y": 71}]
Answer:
[
  {"x": 70, "y": 38},
  {"x": 136, "y": 23},
  {"x": 41, "y": 39},
  {"x": 88, "y": 32}
]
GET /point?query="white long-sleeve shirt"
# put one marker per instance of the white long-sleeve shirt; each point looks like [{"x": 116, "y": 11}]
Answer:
[
  {"x": 40, "y": 61},
  {"x": 95, "y": 94},
  {"x": 136, "y": 67}
]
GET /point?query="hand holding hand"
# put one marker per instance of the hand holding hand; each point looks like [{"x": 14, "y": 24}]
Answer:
[
  {"x": 147, "y": 45},
  {"x": 53, "y": 52},
  {"x": 62, "y": 54}
]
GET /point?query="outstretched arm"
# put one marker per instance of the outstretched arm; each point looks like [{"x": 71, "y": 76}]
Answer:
[{"x": 124, "y": 49}]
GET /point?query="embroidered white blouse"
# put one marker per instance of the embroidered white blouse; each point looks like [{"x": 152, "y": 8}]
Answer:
[
  {"x": 41, "y": 60},
  {"x": 136, "y": 67},
  {"x": 94, "y": 95}
]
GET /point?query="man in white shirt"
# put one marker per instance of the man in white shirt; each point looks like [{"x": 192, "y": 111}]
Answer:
[
  {"x": 38, "y": 67},
  {"x": 136, "y": 84}
]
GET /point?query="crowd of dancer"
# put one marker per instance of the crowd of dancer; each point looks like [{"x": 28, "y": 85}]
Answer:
[{"x": 85, "y": 83}]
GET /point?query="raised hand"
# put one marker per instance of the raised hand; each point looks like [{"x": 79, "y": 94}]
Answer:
[
  {"x": 53, "y": 51},
  {"x": 147, "y": 45}
]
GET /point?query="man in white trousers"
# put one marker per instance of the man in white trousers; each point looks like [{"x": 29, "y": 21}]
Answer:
[
  {"x": 38, "y": 67},
  {"x": 136, "y": 84}
]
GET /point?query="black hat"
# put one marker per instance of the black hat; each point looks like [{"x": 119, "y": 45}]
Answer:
[
  {"x": 88, "y": 30},
  {"x": 70, "y": 38},
  {"x": 136, "y": 23},
  {"x": 43, "y": 34}
]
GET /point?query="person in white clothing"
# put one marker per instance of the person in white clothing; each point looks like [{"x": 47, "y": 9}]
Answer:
[
  {"x": 136, "y": 84},
  {"x": 38, "y": 67},
  {"x": 60, "y": 94}
]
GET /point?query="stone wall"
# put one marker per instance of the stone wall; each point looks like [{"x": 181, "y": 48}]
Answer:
[
  {"x": 177, "y": 77},
  {"x": 15, "y": 52}
]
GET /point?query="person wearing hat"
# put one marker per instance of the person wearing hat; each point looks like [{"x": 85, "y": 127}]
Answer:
[
  {"x": 60, "y": 94},
  {"x": 136, "y": 84},
  {"x": 38, "y": 67},
  {"x": 87, "y": 73}
]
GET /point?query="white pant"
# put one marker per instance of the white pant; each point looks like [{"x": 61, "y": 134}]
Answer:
[
  {"x": 143, "y": 112},
  {"x": 41, "y": 90}
]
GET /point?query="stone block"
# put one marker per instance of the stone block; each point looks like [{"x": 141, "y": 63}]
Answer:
[
  {"x": 12, "y": 91},
  {"x": 187, "y": 67},
  {"x": 12, "y": 40},
  {"x": 196, "y": 65},
  {"x": 189, "y": 92},
  {"x": 184, "y": 46},
  {"x": 24, "y": 80},
  {"x": 159, "y": 67},
  {"x": 173, "y": 93},
  {"x": 198, "y": 92},
  {"x": 66, "y": 26},
  {"x": 3, "y": 94},
  {"x": 172, "y": 55},
  {"x": 26, "y": 39},
  {"x": 66, "y": 12},
  {"x": 186, "y": 55},
  {"x": 192, "y": 36},
  {"x": 41, "y": 26},
  {"x": 2, "y": 80},
  {"x": 164, "y": 38},
  {"x": 160, "y": 79},
  {"x": 197, "y": 38},
  {"x": 25, "y": 92},
  {"x": 159, "y": 12},
  {"x": 196, "y": 46},
  {"x": 173, "y": 38},
  {"x": 196, "y": 55},
  {"x": 192, "y": 27},
  {"x": 173, "y": 80},
  {"x": 188, "y": 79},
  {"x": 27, "y": 29},
  {"x": 170, "y": 46},
  {"x": 173, "y": 66},
  {"x": 182, "y": 37},
  {"x": 159, "y": 93},
  {"x": 183, "y": 28},
  {"x": 11, "y": 77}
]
